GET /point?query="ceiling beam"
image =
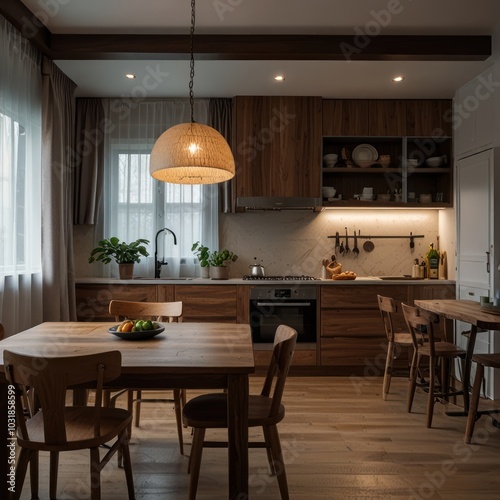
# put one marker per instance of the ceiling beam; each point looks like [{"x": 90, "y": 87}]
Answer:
[
  {"x": 273, "y": 47},
  {"x": 246, "y": 47},
  {"x": 27, "y": 23}
]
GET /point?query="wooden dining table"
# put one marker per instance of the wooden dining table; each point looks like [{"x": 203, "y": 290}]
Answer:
[
  {"x": 469, "y": 312},
  {"x": 184, "y": 355}
]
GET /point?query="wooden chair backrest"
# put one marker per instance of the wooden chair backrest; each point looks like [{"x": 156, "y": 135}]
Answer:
[
  {"x": 388, "y": 307},
  {"x": 417, "y": 318},
  {"x": 159, "y": 311},
  {"x": 283, "y": 349},
  {"x": 51, "y": 377},
  {"x": 2, "y": 332}
]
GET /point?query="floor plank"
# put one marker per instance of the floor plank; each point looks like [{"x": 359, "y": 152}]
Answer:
[{"x": 340, "y": 441}]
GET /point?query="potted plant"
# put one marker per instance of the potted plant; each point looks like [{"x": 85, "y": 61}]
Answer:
[
  {"x": 203, "y": 255},
  {"x": 219, "y": 261},
  {"x": 124, "y": 254}
]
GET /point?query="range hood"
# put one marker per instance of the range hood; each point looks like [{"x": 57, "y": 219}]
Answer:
[{"x": 278, "y": 203}]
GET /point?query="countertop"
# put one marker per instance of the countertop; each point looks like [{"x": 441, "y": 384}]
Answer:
[{"x": 362, "y": 280}]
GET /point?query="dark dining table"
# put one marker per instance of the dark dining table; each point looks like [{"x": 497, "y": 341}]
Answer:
[
  {"x": 477, "y": 317},
  {"x": 184, "y": 355}
]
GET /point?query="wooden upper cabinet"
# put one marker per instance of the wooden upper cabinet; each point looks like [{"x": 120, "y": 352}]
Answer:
[
  {"x": 429, "y": 117},
  {"x": 277, "y": 145},
  {"x": 386, "y": 117},
  {"x": 345, "y": 117}
]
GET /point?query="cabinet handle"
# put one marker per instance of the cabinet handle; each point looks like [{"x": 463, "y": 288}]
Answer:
[
  {"x": 488, "y": 262},
  {"x": 471, "y": 293}
]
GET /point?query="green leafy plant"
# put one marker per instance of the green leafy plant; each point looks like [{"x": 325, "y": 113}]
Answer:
[
  {"x": 218, "y": 258},
  {"x": 202, "y": 253},
  {"x": 121, "y": 252}
]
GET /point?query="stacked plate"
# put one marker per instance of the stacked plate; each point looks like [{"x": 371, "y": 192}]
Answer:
[{"x": 364, "y": 155}]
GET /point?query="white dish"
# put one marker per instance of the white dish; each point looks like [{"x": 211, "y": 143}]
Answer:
[{"x": 364, "y": 152}]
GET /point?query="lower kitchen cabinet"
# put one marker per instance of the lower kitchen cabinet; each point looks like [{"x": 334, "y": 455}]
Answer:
[
  {"x": 204, "y": 303},
  {"x": 352, "y": 331},
  {"x": 92, "y": 301},
  {"x": 301, "y": 357}
]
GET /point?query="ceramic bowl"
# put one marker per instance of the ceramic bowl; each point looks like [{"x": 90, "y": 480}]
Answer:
[
  {"x": 425, "y": 198},
  {"x": 328, "y": 192},
  {"x": 435, "y": 161},
  {"x": 384, "y": 160}
]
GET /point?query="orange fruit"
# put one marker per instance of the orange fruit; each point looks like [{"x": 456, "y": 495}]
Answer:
[{"x": 127, "y": 327}]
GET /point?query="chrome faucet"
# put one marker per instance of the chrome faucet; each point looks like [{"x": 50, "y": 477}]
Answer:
[{"x": 159, "y": 263}]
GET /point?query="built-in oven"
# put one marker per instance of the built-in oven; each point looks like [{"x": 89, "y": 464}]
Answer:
[{"x": 292, "y": 305}]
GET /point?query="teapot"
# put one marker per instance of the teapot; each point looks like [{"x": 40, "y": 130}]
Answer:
[{"x": 256, "y": 269}]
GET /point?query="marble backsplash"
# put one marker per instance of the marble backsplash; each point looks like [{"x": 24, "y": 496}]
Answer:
[{"x": 295, "y": 242}]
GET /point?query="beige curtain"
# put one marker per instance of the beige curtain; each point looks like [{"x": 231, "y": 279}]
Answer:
[
  {"x": 58, "y": 118},
  {"x": 220, "y": 116},
  {"x": 89, "y": 161}
]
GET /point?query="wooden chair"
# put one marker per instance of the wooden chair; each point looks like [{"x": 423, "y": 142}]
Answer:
[
  {"x": 437, "y": 352},
  {"x": 56, "y": 427},
  {"x": 482, "y": 360},
  {"x": 209, "y": 411},
  {"x": 396, "y": 340},
  {"x": 158, "y": 311}
]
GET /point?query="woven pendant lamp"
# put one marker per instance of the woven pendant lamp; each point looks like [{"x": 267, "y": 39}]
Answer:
[{"x": 191, "y": 153}]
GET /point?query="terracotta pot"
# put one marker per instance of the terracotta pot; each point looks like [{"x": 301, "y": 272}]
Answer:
[
  {"x": 126, "y": 271},
  {"x": 219, "y": 273}
]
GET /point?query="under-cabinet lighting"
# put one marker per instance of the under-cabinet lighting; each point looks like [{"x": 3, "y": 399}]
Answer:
[
  {"x": 398, "y": 78},
  {"x": 130, "y": 76},
  {"x": 279, "y": 78}
]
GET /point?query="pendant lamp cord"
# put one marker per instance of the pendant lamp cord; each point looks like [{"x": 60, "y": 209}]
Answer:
[{"x": 191, "y": 75}]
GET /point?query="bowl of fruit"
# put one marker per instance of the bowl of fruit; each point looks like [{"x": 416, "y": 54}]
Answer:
[{"x": 136, "y": 329}]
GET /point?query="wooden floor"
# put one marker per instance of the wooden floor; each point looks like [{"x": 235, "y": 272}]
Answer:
[{"x": 341, "y": 441}]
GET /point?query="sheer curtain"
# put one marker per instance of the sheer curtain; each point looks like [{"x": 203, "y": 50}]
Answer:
[
  {"x": 20, "y": 167},
  {"x": 138, "y": 206}
]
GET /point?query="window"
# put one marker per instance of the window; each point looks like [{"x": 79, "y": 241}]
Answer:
[{"x": 140, "y": 206}]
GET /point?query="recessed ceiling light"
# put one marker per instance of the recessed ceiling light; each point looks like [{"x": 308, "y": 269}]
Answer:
[
  {"x": 130, "y": 76},
  {"x": 279, "y": 78},
  {"x": 398, "y": 79}
]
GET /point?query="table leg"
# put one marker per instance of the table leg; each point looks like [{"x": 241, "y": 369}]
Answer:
[
  {"x": 237, "y": 429},
  {"x": 466, "y": 375}
]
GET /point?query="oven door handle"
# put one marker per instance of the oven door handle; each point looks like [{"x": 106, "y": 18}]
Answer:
[{"x": 283, "y": 304}]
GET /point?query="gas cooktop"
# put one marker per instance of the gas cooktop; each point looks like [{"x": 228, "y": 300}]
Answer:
[{"x": 302, "y": 277}]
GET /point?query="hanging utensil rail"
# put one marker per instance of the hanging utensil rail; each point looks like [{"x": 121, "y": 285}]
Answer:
[{"x": 389, "y": 236}]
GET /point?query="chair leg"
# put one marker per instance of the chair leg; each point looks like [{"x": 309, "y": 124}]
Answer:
[
  {"x": 24, "y": 458},
  {"x": 413, "y": 380},
  {"x": 54, "y": 467},
  {"x": 178, "y": 418},
  {"x": 195, "y": 461},
  {"x": 127, "y": 465},
  {"x": 34, "y": 468},
  {"x": 279, "y": 463},
  {"x": 432, "y": 386},
  {"x": 269, "y": 451},
  {"x": 389, "y": 362},
  {"x": 474, "y": 403},
  {"x": 137, "y": 407},
  {"x": 95, "y": 474}
]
